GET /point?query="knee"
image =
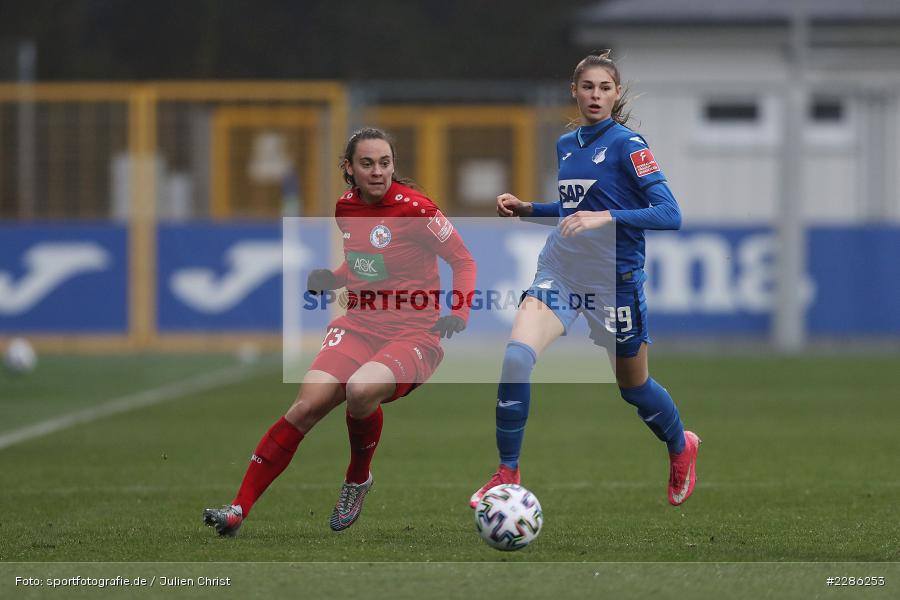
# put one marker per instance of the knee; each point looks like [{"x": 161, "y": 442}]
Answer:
[
  {"x": 518, "y": 361},
  {"x": 628, "y": 380},
  {"x": 637, "y": 393},
  {"x": 363, "y": 398},
  {"x": 631, "y": 388},
  {"x": 311, "y": 406},
  {"x": 301, "y": 416}
]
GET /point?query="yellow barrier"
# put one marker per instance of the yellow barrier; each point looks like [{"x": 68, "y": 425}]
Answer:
[{"x": 83, "y": 130}]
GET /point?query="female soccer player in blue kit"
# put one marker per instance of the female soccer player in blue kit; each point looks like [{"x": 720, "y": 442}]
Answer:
[{"x": 607, "y": 175}]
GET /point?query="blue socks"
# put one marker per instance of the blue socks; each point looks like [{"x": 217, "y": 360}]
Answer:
[
  {"x": 656, "y": 407},
  {"x": 513, "y": 401}
]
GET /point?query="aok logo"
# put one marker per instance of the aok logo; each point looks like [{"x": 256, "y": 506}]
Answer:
[
  {"x": 369, "y": 267},
  {"x": 49, "y": 265},
  {"x": 573, "y": 191},
  {"x": 365, "y": 265}
]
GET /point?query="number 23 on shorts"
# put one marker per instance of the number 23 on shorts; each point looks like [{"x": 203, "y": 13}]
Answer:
[{"x": 333, "y": 337}]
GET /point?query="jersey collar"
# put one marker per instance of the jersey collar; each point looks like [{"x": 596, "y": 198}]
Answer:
[{"x": 588, "y": 134}]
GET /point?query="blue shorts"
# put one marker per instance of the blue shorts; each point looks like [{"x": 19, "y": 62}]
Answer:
[{"x": 627, "y": 320}]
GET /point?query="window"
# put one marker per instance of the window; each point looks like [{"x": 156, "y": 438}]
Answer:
[
  {"x": 747, "y": 122},
  {"x": 826, "y": 110},
  {"x": 830, "y": 122},
  {"x": 732, "y": 112},
  {"x": 736, "y": 122}
]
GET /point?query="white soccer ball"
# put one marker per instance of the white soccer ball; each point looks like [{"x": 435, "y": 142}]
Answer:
[
  {"x": 509, "y": 517},
  {"x": 20, "y": 356}
]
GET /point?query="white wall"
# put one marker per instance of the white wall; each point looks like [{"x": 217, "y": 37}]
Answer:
[{"x": 851, "y": 173}]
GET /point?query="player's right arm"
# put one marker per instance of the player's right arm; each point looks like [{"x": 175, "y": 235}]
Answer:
[
  {"x": 510, "y": 206},
  {"x": 323, "y": 280},
  {"x": 537, "y": 212}
]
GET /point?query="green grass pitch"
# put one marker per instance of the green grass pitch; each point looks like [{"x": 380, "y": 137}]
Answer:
[{"x": 799, "y": 463}]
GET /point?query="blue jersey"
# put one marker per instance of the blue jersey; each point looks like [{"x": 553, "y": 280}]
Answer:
[{"x": 607, "y": 166}]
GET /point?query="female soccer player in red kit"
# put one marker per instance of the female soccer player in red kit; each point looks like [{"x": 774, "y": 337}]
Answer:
[{"x": 387, "y": 344}]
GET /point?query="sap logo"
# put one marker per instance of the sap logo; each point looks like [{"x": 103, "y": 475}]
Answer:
[
  {"x": 250, "y": 265},
  {"x": 733, "y": 277},
  {"x": 365, "y": 265},
  {"x": 49, "y": 265},
  {"x": 573, "y": 191}
]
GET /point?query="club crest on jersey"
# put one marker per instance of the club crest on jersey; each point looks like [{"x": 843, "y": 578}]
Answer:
[
  {"x": 380, "y": 236},
  {"x": 573, "y": 191},
  {"x": 599, "y": 155}
]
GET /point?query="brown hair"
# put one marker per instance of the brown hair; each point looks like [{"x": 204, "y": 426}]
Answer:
[
  {"x": 602, "y": 59},
  {"x": 368, "y": 133}
]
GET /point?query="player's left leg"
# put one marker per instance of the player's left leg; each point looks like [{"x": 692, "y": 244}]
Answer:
[
  {"x": 394, "y": 371},
  {"x": 367, "y": 388},
  {"x": 657, "y": 409},
  {"x": 371, "y": 385},
  {"x": 653, "y": 402}
]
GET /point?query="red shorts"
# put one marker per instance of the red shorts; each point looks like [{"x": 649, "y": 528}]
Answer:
[{"x": 411, "y": 359}]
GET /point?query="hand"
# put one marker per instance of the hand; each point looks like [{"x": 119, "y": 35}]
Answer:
[
  {"x": 321, "y": 280},
  {"x": 448, "y": 325},
  {"x": 582, "y": 221},
  {"x": 510, "y": 206}
]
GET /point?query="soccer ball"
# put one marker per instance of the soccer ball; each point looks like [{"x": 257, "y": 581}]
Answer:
[
  {"x": 20, "y": 356},
  {"x": 508, "y": 517}
]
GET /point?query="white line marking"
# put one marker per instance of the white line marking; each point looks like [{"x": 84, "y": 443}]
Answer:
[{"x": 171, "y": 391}]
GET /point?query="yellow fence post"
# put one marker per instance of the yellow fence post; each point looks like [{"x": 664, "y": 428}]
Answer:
[{"x": 142, "y": 217}]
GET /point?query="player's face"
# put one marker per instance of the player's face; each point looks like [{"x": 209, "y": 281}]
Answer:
[
  {"x": 595, "y": 92},
  {"x": 372, "y": 168}
]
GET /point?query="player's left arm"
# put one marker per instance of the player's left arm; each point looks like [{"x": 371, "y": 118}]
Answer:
[
  {"x": 641, "y": 168},
  {"x": 443, "y": 238}
]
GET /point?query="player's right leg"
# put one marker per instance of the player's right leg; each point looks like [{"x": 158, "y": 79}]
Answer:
[
  {"x": 319, "y": 393},
  {"x": 535, "y": 327}
]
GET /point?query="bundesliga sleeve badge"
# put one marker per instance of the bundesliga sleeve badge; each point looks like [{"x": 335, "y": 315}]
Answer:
[
  {"x": 643, "y": 162},
  {"x": 440, "y": 226}
]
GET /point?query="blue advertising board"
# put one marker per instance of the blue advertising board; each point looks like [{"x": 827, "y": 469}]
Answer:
[
  {"x": 856, "y": 281},
  {"x": 63, "y": 278},
  {"x": 718, "y": 281},
  {"x": 72, "y": 278},
  {"x": 227, "y": 277}
]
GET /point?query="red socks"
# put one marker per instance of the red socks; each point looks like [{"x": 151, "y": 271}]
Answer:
[
  {"x": 364, "y": 436},
  {"x": 274, "y": 452},
  {"x": 278, "y": 445}
]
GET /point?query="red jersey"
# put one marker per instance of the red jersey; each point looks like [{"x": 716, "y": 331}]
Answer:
[{"x": 390, "y": 269}]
